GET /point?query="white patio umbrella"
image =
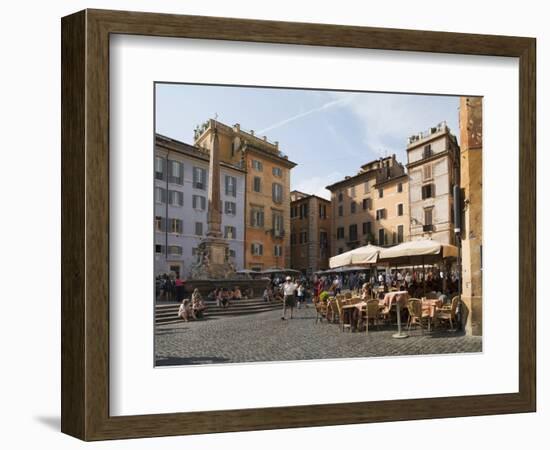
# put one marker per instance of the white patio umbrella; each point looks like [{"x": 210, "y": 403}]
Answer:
[
  {"x": 422, "y": 248},
  {"x": 367, "y": 254}
]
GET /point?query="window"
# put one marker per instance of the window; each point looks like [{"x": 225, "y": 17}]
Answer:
[
  {"x": 427, "y": 172},
  {"x": 293, "y": 239},
  {"x": 353, "y": 207},
  {"x": 323, "y": 240},
  {"x": 230, "y": 186},
  {"x": 399, "y": 233},
  {"x": 380, "y": 193},
  {"x": 352, "y": 191},
  {"x": 400, "y": 209},
  {"x": 198, "y": 228},
  {"x": 381, "y": 236},
  {"x": 257, "y": 165},
  {"x": 160, "y": 224},
  {"x": 380, "y": 214},
  {"x": 174, "y": 250},
  {"x": 277, "y": 192},
  {"x": 340, "y": 250},
  {"x": 367, "y": 203},
  {"x": 160, "y": 195},
  {"x": 366, "y": 187},
  {"x": 257, "y": 217},
  {"x": 277, "y": 171},
  {"x": 427, "y": 152},
  {"x": 160, "y": 164},
  {"x": 231, "y": 208},
  {"x": 257, "y": 249},
  {"x": 175, "y": 172},
  {"x": 278, "y": 250},
  {"x": 175, "y": 198},
  {"x": 199, "y": 202},
  {"x": 353, "y": 232},
  {"x": 159, "y": 248},
  {"x": 232, "y": 253},
  {"x": 428, "y": 216},
  {"x": 322, "y": 211},
  {"x": 277, "y": 224},
  {"x": 176, "y": 226},
  {"x": 367, "y": 227},
  {"x": 230, "y": 232},
  {"x": 428, "y": 191},
  {"x": 340, "y": 196},
  {"x": 399, "y": 187},
  {"x": 340, "y": 233},
  {"x": 257, "y": 184},
  {"x": 340, "y": 210},
  {"x": 303, "y": 237},
  {"x": 199, "y": 178}
]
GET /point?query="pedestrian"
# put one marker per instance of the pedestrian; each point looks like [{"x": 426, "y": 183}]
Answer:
[
  {"x": 300, "y": 293},
  {"x": 289, "y": 289}
]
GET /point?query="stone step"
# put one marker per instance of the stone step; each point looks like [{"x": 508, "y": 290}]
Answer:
[
  {"x": 243, "y": 302},
  {"x": 174, "y": 319},
  {"x": 219, "y": 310}
]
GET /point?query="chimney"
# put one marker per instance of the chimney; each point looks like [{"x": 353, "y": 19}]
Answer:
[
  {"x": 237, "y": 127},
  {"x": 276, "y": 144},
  {"x": 265, "y": 138},
  {"x": 252, "y": 132}
]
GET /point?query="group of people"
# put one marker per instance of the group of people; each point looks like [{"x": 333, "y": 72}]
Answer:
[
  {"x": 293, "y": 293},
  {"x": 192, "y": 309},
  {"x": 224, "y": 296},
  {"x": 170, "y": 287}
]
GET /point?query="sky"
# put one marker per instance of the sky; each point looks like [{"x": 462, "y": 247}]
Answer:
[{"x": 329, "y": 134}]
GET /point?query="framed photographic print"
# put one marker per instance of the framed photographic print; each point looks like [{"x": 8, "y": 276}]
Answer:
[{"x": 273, "y": 225}]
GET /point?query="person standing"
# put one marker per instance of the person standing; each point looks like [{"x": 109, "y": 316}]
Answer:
[
  {"x": 289, "y": 288},
  {"x": 301, "y": 292}
]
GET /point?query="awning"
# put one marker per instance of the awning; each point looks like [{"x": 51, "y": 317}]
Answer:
[
  {"x": 362, "y": 255},
  {"x": 419, "y": 251}
]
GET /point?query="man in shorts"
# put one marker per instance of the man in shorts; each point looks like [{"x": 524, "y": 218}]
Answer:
[{"x": 289, "y": 288}]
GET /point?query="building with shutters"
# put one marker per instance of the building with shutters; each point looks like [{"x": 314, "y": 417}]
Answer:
[
  {"x": 181, "y": 200},
  {"x": 310, "y": 218},
  {"x": 267, "y": 192},
  {"x": 370, "y": 207},
  {"x": 433, "y": 168}
]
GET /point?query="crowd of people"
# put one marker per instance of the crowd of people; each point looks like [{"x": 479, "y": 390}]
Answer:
[{"x": 296, "y": 292}]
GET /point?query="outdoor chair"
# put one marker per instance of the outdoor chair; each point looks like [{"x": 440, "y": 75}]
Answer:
[
  {"x": 321, "y": 309},
  {"x": 372, "y": 312},
  {"x": 416, "y": 314},
  {"x": 448, "y": 313},
  {"x": 347, "y": 295},
  {"x": 338, "y": 304}
]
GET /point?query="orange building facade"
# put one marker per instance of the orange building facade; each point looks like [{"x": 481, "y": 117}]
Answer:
[{"x": 267, "y": 194}]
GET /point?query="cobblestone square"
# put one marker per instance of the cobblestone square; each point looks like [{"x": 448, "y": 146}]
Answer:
[{"x": 265, "y": 337}]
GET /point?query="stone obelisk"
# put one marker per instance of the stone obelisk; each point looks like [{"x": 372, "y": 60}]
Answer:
[{"x": 213, "y": 261}]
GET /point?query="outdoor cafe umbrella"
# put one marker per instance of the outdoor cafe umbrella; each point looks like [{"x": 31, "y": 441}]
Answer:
[
  {"x": 367, "y": 254},
  {"x": 279, "y": 270},
  {"x": 419, "y": 251}
]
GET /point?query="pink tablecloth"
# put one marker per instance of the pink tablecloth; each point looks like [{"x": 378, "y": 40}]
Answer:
[
  {"x": 430, "y": 305},
  {"x": 392, "y": 298}
]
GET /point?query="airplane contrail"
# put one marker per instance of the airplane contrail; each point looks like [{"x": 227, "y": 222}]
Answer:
[{"x": 327, "y": 105}]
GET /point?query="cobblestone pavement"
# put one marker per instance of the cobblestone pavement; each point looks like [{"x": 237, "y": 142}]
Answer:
[{"x": 265, "y": 337}]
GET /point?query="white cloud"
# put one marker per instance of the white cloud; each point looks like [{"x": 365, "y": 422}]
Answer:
[{"x": 330, "y": 104}]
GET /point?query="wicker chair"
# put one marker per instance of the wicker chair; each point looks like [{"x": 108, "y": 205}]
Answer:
[
  {"x": 372, "y": 312},
  {"x": 347, "y": 295},
  {"x": 448, "y": 313},
  {"x": 416, "y": 315},
  {"x": 339, "y": 307},
  {"x": 321, "y": 309}
]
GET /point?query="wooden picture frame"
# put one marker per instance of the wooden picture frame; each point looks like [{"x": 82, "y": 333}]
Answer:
[{"x": 85, "y": 224}]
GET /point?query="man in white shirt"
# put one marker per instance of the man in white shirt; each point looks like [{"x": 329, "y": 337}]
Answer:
[{"x": 289, "y": 288}]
